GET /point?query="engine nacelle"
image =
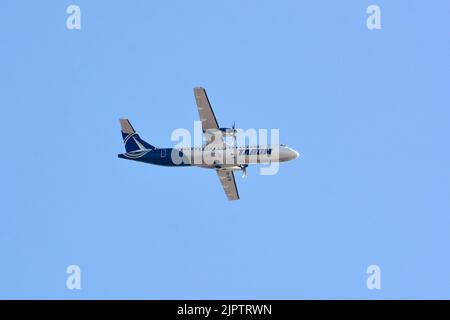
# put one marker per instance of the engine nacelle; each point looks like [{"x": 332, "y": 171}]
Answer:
[{"x": 228, "y": 132}]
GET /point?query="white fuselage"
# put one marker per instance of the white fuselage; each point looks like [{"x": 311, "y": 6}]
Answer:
[{"x": 230, "y": 156}]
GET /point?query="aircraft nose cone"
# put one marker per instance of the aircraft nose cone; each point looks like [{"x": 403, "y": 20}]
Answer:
[
  {"x": 287, "y": 154},
  {"x": 293, "y": 154}
]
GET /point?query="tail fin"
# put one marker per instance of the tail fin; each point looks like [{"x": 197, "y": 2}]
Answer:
[{"x": 131, "y": 139}]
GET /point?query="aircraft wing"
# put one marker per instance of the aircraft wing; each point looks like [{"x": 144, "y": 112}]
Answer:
[
  {"x": 205, "y": 111},
  {"x": 229, "y": 184}
]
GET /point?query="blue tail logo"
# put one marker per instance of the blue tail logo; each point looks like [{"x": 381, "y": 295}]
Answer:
[{"x": 131, "y": 139}]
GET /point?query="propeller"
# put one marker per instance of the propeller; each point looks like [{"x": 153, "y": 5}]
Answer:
[
  {"x": 244, "y": 170},
  {"x": 234, "y": 132}
]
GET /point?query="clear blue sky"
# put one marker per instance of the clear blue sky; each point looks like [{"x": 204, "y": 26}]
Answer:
[{"x": 368, "y": 111}]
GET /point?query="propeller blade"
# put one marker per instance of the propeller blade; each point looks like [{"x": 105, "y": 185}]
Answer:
[
  {"x": 233, "y": 129},
  {"x": 244, "y": 172}
]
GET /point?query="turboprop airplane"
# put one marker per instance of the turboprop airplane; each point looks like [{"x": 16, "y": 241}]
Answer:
[{"x": 214, "y": 154}]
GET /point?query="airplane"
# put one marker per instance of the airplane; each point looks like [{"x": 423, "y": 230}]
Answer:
[{"x": 215, "y": 153}]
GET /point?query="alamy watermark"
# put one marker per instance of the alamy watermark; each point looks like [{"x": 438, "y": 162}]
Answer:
[
  {"x": 373, "y": 21},
  {"x": 73, "y": 21},
  {"x": 246, "y": 146},
  {"x": 73, "y": 281},
  {"x": 373, "y": 281}
]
